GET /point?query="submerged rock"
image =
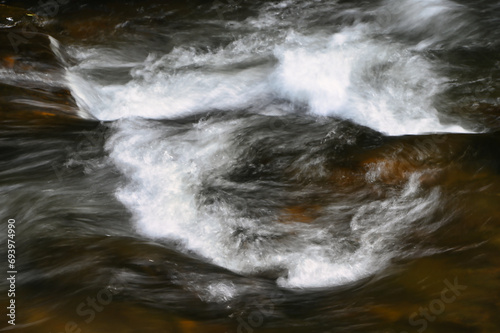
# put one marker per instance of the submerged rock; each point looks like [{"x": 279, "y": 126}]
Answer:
[{"x": 32, "y": 74}]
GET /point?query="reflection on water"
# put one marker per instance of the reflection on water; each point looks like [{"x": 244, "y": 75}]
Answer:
[{"x": 287, "y": 166}]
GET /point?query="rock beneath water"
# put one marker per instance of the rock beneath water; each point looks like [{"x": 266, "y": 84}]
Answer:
[
  {"x": 447, "y": 161},
  {"x": 32, "y": 75},
  {"x": 302, "y": 214}
]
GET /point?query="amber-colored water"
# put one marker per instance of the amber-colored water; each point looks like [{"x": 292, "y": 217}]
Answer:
[{"x": 288, "y": 166}]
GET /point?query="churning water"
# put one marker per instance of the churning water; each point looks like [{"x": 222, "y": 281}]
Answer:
[{"x": 321, "y": 151}]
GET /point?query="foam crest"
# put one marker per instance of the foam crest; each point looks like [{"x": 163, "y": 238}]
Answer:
[{"x": 374, "y": 83}]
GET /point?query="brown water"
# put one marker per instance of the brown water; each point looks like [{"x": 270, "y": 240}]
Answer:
[{"x": 288, "y": 166}]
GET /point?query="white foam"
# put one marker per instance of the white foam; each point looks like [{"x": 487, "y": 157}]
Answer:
[
  {"x": 171, "y": 95},
  {"x": 167, "y": 172},
  {"x": 349, "y": 74},
  {"x": 379, "y": 83}
]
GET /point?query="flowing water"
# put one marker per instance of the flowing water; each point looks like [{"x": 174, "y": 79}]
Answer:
[{"x": 251, "y": 166}]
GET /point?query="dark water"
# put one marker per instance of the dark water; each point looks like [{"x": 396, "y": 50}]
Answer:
[{"x": 236, "y": 166}]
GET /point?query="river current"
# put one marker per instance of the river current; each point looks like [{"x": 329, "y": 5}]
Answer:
[{"x": 251, "y": 166}]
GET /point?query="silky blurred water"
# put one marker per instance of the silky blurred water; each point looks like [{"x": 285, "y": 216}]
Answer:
[{"x": 269, "y": 166}]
